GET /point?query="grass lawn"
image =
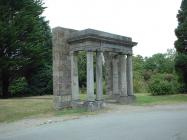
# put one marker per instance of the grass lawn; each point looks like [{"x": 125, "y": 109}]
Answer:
[
  {"x": 37, "y": 106},
  {"x": 147, "y": 99},
  {"x": 19, "y": 108}
]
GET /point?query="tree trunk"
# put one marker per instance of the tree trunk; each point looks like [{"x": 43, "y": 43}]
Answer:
[{"x": 5, "y": 84}]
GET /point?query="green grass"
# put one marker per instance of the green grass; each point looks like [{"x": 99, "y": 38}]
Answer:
[
  {"x": 147, "y": 99},
  {"x": 42, "y": 106}
]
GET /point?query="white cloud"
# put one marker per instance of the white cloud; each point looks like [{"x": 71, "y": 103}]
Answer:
[{"x": 149, "y": 22}]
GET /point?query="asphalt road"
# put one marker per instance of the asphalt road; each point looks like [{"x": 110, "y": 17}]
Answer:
[{"x": 154, "y": 123}]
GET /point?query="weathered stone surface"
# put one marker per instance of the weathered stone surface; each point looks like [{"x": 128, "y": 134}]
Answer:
[
  {"x": 74, "y": 76},
  {"x": 108, "y": 72},
  {"x": 76, "y": 104},
  {"x": 65, "y": 70},
  {"x": 100, "y": 46},
  {"x": 90, "y": 77},
  {"x": 99, "y": 76},
  {"x": 61, "y": 66},
  {"x": 131, "y": 98},
  {"x": 94, "y": 40},
  {"x": 93, "y": 105},
  {"x": 115, "y": 74},
  {"x": 129, "y": 76},
  {"x": 126, "y": 99},
  {"x": 123, "y": 100},
  {"x": 122, "y": 75},
  {"x": 96, "y": 35},
  {"x": 63, "y": 101}
]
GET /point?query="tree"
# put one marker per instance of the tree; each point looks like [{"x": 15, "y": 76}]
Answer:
[
  {"x": 82, "y": 69},
  {"x": 24, "y": 40},
  {"x": 161, "y": 63},
  {"x": 181, "y": 43},
  {"x": 163, "y": 84}
]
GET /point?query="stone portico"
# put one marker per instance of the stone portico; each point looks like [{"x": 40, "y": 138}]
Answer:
[{"x": 115, "y": 50}]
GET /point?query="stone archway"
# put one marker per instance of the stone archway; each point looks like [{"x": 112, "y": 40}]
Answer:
[{"x": 118, "y": 56}]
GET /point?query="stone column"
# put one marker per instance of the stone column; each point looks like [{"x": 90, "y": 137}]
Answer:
[
  {"x": 108, "y": 72},
  {"x": 99, "y": 76},
  {"x": 74, "y": 76},
  {"x": 90, "y": 77},
  {"x": 129, "y": 75},
  {"x": 115, "y": 76},
  {"x": 122, "y": 76}
]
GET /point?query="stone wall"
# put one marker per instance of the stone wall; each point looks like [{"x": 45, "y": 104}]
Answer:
[{"x": 61, "y": 67}]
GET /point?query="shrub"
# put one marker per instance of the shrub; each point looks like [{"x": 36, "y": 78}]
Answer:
[
  {"x": 163, "y": 84},
  {"x": 17, "y": 87},
  {"x": 139, "y": 84}
]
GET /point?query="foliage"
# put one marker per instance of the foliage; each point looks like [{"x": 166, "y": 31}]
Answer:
[
  {"x": 40, "y": 82},
  {"x": 140, "y": 85},
  {"x": 18, "y": 86},
  {"x": 82, "y": 69},
  {"x": 163, "y": 84},
  {"x": 24, "y": 40},
  {"x": 149, "y": 70},
  {"x": 138, "y": 79},
  {"x": 138, "y": 63},
  {"x": 159, "y": 63},
  {"x": 181, "y": 43}
]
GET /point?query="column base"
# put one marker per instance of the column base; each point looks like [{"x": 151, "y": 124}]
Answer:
[
  {"x": 112, "y": 98},
  {"x": 61, "y": 102},
  {"x": 123, "y": 100},
  {"x": 94, "y": 105},
  {"x": 76, "y": 104},
  {"x": 132, "y": 98},
  {"x": 126, "y": 99},
  {"x": 115, "y": 96}
]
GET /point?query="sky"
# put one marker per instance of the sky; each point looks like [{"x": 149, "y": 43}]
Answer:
[{"x": 151, "y": 23}]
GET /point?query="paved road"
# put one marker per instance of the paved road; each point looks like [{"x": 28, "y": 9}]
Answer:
[{"x": 153, "y": 123}]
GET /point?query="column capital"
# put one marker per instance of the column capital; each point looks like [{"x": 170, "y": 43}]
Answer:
[
  {"x": 122, "y": 54},
  {"x": 98, "y": 50},
  {"x": 129, "y": 54},
  {"x": 89, "y": 50},
  {"x": 73, "y": 52}
]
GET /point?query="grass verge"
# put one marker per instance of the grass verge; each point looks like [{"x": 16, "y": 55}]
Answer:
[
  {"x": 147, "y": 99},
  {"x": 38, "y": 106},
  {"x": 42, "y": 106}
]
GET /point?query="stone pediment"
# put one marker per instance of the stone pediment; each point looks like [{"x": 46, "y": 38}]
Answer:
[{"x": 94, "y": 40}]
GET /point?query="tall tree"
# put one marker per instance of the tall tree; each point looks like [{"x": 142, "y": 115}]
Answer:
[
  {"x": 181, "y": 43},
  {"x": 24, "y": 39},
  {"x": 161, "y": 63}
]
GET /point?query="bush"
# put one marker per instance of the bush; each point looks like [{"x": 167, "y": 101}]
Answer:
[
  {"x": 139, "y": 84},
  {"x": 18, "y": 86},
  {"x": 163, "y": 84}
]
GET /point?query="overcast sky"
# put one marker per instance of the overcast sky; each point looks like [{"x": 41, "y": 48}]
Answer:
[{"x": 151, "y": 23}]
